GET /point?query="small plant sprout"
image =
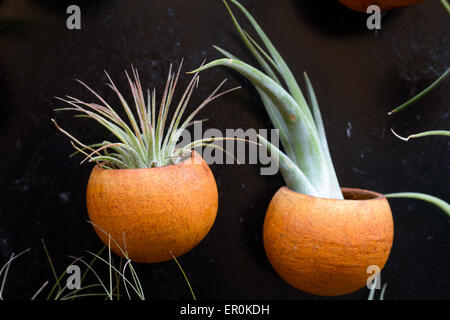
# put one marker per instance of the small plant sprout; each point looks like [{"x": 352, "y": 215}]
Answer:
[
  {"x": 306, "y": 163},
  {"x": 145, "y": 142}
]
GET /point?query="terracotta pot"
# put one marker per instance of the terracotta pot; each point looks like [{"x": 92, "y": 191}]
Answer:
[
  {"x": 324, "y": 246},
  {"x": 158, "y": 209},
  {"x": 361, "y": 5}
]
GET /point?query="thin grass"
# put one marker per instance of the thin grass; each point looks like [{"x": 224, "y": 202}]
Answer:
[
  {"x": 5, "y": 269},
  {"x": 184, "y": 275}
]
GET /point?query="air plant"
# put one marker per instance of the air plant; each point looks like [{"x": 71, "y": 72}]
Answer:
[
  {"x": 306, "y": 163},
  {"x": 310, "y": 222},
  {"x": 181, "y": 199},
  {"x": 307, "y": 226},
  {"x": 144, "y": 142}
]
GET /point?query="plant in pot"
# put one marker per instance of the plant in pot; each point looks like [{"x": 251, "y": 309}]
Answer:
[
  {"x": 146, "y": 191},
  {"x": 319, "y": 237}
]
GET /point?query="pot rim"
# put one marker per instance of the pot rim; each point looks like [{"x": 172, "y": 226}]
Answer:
[
  {"x": 184, "y": 162},
  {"x": 368, "y": 195}
]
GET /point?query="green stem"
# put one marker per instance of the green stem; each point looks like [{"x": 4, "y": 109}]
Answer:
[
  {"x": 184, "y": 275},
  {"x": 423, "y": 134},
  {"x": 421, "y": 196},
  {"x": 421, "y": 94}
]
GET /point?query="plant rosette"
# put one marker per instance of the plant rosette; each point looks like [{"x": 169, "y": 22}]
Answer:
[
  {"x": 153, "y": 198},
  {"x": 385, "y": 5}
]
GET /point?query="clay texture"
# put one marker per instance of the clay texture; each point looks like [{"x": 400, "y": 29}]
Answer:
[
  {"x": 157, "y": 209},
  {"x": 324, "y": 246},
  {"x": 361, "y": 5}
]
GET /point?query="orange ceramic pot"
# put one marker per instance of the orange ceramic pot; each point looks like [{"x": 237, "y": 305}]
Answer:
[
  {"x": 324, "y": 246},
  {"x": 158, "y": 210},
  {"x": 361, "y": 5}
]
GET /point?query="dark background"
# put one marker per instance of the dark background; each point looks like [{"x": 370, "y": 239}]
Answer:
[{"x": 358, "y": 75}]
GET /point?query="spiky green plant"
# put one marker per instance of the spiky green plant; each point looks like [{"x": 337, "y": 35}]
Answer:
[
  {"x": 306, "y": 163},
  {"x": 144, "y": 142}
]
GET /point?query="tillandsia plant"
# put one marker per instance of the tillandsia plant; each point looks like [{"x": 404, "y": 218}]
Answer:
[
  {"x": 145, "y": 143},
  {"x": 167, "y": 193},
  {"x": 311, "y": 221},
  {"x": 306, "y": 163}
]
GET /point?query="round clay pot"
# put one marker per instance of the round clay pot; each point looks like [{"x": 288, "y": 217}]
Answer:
[
  {"x": 324, "y": 246},
  {"x": 156, "y": 210},
  {"x": 361, "y": 5}
]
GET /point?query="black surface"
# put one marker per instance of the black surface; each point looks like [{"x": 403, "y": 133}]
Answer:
[{"x": 358, "y": 75}]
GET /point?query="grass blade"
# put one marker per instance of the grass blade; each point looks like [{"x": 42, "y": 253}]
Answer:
[
  {"x": 184, "y": 275},
  {"x": 51, "y": 264}
]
